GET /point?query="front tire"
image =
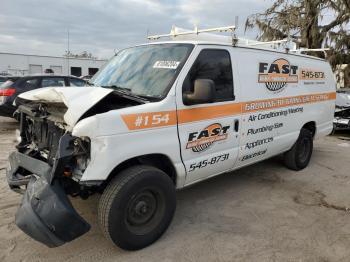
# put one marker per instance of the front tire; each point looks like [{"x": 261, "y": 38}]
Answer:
[
  {"x": 298, "y": 157},
  {"x": 137, "y": 207}
]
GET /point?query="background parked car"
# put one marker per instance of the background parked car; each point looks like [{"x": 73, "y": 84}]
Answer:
[
  {"x": 14, "y": 86},
  {"x": 342, "y": 111},
  {"x": 3, "y": 79},
  {"x": 87, "y": 77}
]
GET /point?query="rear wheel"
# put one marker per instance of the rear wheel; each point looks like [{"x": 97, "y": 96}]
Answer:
[
  {"x": 137, "y": 207},
  {"x": 298, "y": 157}
]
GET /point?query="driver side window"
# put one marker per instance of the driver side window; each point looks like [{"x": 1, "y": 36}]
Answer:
[{"x": 213, "y": 64}]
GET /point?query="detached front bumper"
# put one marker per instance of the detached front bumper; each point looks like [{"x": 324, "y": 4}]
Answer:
[{"x": 45, "y": 214}]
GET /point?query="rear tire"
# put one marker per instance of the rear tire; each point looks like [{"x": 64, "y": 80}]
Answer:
[
  {"x": 298, "y": 157},
  {"x": 137, "y": 207}
]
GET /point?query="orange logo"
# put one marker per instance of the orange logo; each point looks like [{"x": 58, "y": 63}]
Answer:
[
  {"x": 200, "y": 141},
  {"x": 276, "y": 75}
]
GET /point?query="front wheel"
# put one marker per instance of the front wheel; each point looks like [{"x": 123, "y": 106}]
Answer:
[
  {"x": 298, "y": 157},
  {"x": 137, "y": 207}
]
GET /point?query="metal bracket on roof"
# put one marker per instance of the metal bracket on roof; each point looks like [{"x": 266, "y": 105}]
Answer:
[{"x": 301, "y": 50}]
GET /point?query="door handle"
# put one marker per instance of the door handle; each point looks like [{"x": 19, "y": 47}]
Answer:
[{"x": 236, "y": 125}]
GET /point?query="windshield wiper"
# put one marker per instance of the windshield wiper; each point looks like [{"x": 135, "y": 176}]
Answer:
[
  {"x": 119, "y": 88},
  {"x": 90, "y": 83},
  {"x": 125, "y": 91}
]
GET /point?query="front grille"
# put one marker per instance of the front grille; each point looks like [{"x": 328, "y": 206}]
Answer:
[
  {"x": 40, "y": 135},
  {"x": 46, "y": 136}
]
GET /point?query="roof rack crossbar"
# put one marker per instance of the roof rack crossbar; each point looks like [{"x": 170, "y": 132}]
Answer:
[
  {"x": 311, "y": 50},
  {"x": 269, "y": 42},
  {"x": 196, "y": 31}
]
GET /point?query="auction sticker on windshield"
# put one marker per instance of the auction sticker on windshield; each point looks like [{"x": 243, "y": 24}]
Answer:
[{"x": 166, "y": 64}]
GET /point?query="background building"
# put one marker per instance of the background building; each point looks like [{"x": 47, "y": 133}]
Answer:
[{"x": 21, "y": 64}]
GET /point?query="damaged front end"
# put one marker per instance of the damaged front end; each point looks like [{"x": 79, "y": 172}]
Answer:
[
  {"x": 342, "y": 119},
  {"x": 342, "y": 111},
  {"x": 48, "y": 161}
]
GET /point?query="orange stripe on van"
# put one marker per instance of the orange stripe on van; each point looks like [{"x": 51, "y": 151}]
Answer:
[
  {"x": 150, "y": 120},
  {"x": 209, "y": 112},
  {"x": 168, "y": 118},
  {"x": 268, "y": 104}
]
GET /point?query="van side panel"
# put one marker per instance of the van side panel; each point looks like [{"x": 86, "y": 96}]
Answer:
[
  {"x": 120, "y": 135},
  {"x": 280, "y": 93}
]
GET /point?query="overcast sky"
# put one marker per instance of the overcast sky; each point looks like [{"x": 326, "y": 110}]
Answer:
[{"x": 100, "y": 26}]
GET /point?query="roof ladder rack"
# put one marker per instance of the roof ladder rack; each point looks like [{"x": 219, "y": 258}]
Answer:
[
  {"x": 196, "y": 31},
  {"x": 287, "y": 44}
]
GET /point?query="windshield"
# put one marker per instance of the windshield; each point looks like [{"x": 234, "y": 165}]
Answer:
[{"x": 147, "y": 71}]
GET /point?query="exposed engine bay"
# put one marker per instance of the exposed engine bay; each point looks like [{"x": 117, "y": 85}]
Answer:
[
  {"x": 43, "y": 132},
  {"x": 44, "y": 137}
]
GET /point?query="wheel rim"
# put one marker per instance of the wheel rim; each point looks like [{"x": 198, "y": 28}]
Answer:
[
  {"x": 144, "y": 211},
  {"x": 304, "y": 148}
]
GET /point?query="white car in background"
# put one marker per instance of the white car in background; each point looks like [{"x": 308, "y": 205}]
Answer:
[{"x": 342, "y": 110}]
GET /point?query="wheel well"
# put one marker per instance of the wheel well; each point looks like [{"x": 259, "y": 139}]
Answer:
[
  {"x": 157, "y": 160},
  {"x": 311, "y": 126}
]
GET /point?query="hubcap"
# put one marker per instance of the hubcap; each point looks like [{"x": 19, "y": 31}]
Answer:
[{"x": 141, "y": 210}]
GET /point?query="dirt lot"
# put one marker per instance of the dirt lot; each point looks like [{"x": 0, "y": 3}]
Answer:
[{"x": 260, "y": 213}]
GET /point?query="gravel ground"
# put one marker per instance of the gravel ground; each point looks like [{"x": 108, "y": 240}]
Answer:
[{"x": 264, "y": 212}]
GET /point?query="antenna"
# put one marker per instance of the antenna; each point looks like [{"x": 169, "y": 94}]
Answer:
[
  {"x": 68, "y": 51},
  {"x": 236, "y": 21}
]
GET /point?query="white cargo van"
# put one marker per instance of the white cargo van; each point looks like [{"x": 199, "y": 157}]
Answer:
[{"x": 161, "y": 116}]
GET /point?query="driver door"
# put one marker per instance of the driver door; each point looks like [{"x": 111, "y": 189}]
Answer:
[{"x": 208, "y": 132}]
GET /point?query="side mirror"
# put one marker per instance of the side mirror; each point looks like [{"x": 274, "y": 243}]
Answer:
[{"x": 204, "y": 92}]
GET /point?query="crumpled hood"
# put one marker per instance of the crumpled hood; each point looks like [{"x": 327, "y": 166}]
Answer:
[{"x": 77, "y": 99}]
